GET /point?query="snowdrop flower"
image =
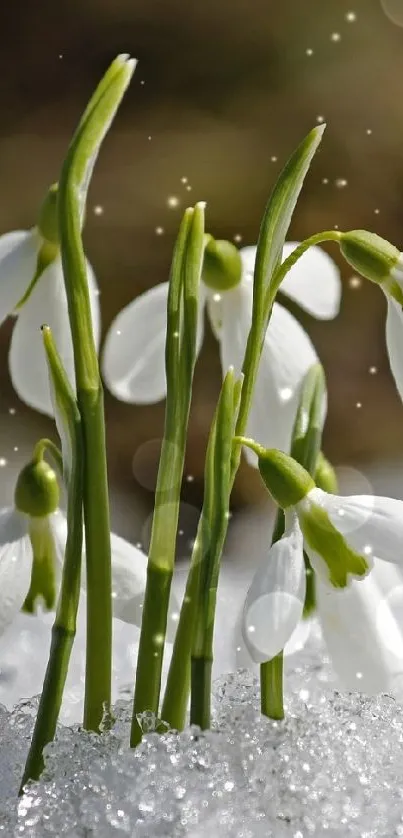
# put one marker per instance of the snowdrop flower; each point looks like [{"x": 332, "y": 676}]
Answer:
[
  {"x": 382, "y": 263},
  {"x": 32, "y": 287},
  {"x": 133, "y": 359},
  {"x": 353, "y": 544},
  {"x": 32, "y": 542}
]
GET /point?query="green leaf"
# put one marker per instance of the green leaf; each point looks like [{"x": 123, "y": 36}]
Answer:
[
  {"x": 279, "y": 212},
  {"x": 308, "y": 427}
]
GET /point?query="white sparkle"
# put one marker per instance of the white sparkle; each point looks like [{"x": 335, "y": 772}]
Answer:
[
  {"x": 184, "y": 179},
  {"x": 98, "y": 210},
  {"x": 3, "y": 462},
  {"x": 237, "y": 238},
  {"x": 320, "y": 118},
  {"x": 373, "y": 370},
  {"x": 355, "y": 282},
  {"x": 286, "y": 393},
  {"x": 367, "y": 550},
  {"x": 358, "y": 404},
  {"x": 173, "y": 201},
  {"x": 309, "y": 52},
  {"x": 335, "y": 37},
  {"x": 351, "y": 17},
  {"x": 159, "y": 231},
  {"x": 341, "y": 183},
  {"x": 273, "y": 158}
]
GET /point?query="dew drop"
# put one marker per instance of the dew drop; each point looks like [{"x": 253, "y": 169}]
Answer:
[{"x": 320, "y": 119}]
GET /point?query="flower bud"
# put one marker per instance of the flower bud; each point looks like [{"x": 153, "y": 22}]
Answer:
[
  {"x": 376, "y": 259},
  {"x": 37, "y": 490},
  {"x": 222, "y": 265},
  {"x": 287, "y": 481},
  {"x": 48, "y": 224}
]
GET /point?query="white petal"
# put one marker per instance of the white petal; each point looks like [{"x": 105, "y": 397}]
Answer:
[
  {"x": 371, "y": 525},
  {"x": 133, "y": 362},
  {"x": 362, "y": 634},
  {"x": 286, "y": 358},
  {"x": 15, "y": 564},
  {"x": 275, "y": 600},
  {"x": 394, "y": 342},
  {"x": 129, "y": 577},
  {"x": 313, "y": 282},
  {"x": 27, "y": 361},
  {"x": 18, "y": 258},
  {"x": 47, "y": 304}
]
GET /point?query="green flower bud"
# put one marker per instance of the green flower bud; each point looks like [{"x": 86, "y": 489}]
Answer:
[
  {"x": 325, "y": 540},
  {"x": 48, "y": 224},
  {"x": 43, "y": 578},
  {"x": 222, "y": 265},
  {"x": 37, "y": 490},
  {"x": 376, "y": 259},
  {"x": 286, "y": 480},
  {"x": 325, "y": 475}
]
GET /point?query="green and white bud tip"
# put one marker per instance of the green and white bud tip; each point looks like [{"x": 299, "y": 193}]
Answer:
[
  {"x": 375, "y": 259},
  {"x": 37, "y": 490},
  {"x": 286, "y": 480},
  {"x": 222, "y": 265}
]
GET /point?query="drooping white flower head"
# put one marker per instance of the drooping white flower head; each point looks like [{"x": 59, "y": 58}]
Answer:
[
  {"x": 32, "y": 288},
  {"x": 19, "y": 533},
  {"x": 133, "y": 358},
  {"x": 381, "y": 263},
  {"x": 350, "y": 542}
]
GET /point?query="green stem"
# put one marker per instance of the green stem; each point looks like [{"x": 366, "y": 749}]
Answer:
[
  {"x": 271, "y": 688},
  {"x": 201, "y": 692},
  {"x": 47, "y": 445},
  {"x": 151, "y": 649},
  {"x": 282, "y": 270},
  {"x": 98, "y": 668},
  {"x": 50, "y": 702},
  {"x": 180, "y": 355},
  {"x": 178, "y": 681}
]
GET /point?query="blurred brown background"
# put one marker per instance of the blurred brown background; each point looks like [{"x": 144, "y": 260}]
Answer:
[{"x": 222, "y": 94}]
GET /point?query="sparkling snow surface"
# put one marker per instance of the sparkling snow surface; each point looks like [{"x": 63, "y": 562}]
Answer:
[{"x": 333, "y": 768}]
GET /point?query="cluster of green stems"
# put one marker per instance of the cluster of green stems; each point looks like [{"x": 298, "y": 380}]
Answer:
[{"x": 81, "y": 426}]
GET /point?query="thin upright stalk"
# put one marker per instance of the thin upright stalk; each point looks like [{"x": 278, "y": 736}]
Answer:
[
  {"x": 74, "y": 181},
  {"x": 271, "y": 688},
  {"x": 180, "y": 355}
]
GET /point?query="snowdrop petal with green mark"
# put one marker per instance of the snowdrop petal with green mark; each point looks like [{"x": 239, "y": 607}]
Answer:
[
  {"x": 275, "y": 601},
  {"x": 313, "y": 282},
  {"x": 133, "y": 363},
  {"x": 18, "y": 258},
  {"x": 15, "y": 564},
  {"x": 47, "y": 303},
  {"x": 372, "y": 526}
]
